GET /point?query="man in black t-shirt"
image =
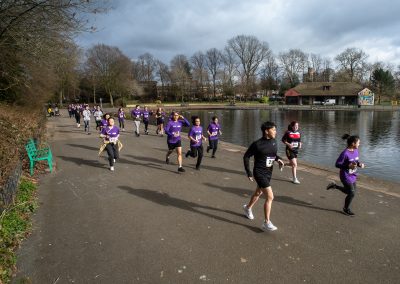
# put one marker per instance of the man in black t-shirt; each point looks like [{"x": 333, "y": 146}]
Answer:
[{"x": 264, "y": 151}]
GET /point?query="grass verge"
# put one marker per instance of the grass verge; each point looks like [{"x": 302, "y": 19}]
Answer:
[{"x": 15, "y": 224}]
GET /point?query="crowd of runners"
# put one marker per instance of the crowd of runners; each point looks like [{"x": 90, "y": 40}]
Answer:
[{"x": 264, "y": 150}]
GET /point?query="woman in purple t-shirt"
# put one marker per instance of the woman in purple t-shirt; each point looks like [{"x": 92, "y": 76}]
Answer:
[
  {"x": 196, "y": 145},
  {"x": 348, "y": 162},
  {"x": 110, "y": 134},
  {"x": 213, "y": 130}
]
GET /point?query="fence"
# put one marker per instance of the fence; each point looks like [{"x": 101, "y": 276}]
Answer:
[{"x": 9, "y": 190}]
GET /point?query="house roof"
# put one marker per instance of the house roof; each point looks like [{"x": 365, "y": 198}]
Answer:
[{"x": 335, "y": 89}]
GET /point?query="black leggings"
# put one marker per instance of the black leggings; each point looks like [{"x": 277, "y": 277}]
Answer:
[
  {"x": 121, "y": 123},
  {"x": 350, "y": 190},
  {"x": 146, "y": 125},
  {"x": 213, "y": 145},
  {"x": 196, "y": 152},
  {"x": 78, "y": 118},
  {"x": 112, "y": 151}
]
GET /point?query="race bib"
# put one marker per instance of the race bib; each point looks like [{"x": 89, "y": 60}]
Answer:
[
  {"x": 269, "y": 162},
  {"x": 113, "y": 139},
  {"x": 176, "y": 134},
  {"x": 198, "y": 137},
  {"x": 214, "y": 133},
  {"x": 295, "y": 144}
]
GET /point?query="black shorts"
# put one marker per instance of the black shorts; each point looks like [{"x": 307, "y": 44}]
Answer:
[
  {"x": 291, "y": 154},
  {"x": 160, "y": 121},
  {"x": 263, "y": 178},
  {"x": 172, "y": 146}
]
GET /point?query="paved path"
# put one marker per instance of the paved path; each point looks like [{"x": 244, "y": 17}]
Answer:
[{"x": 145, "y": 223}]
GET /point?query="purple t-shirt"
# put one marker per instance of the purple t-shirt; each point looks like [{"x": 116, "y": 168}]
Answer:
[
  {"x": 111, "y": 134},
  {"x": 136, "y": 113},
  {"x": 104, "y": 122},
  {"x": 345, "y": 159},
  {"x": 173, "y": 130},
  {"x": 146, "y": 115},
  {"x": 214, "y": 129},
  {"x": 121, "y": 115},
  {"x": 196, "y": 132}
]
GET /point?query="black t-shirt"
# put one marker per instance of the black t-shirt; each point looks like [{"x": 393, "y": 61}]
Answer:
[
  {"x": 265, "y": 153},
  {"x": 293, "y": 138}
]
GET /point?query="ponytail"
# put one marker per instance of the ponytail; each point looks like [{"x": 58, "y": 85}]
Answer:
[{"x": 350, "y": 139}]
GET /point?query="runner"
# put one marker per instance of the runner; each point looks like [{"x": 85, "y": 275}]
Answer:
[
  {"x": 292, "y": 140},
  {"x": 160, "y": 121},
  {"x": 196, "y": 145},
  {"x": 104, "y": 121},
  {"x": 110, "y": 134},
  {"x": 264, "y": 151},
  {"x": 348, "y": 162},
  {"x": 78, "y": 116},
  {"x": 121, "y": 118},
  {"x": 173, "y": 130},
  {"x": 97, "y": 116},
  {"x": 136, "y": 114},
  {"x": 146, "y": 116},
  {"x": 213, "y": 130},
  {"x": 86, "y": 118},
  {"x": 70, "y": 111}
]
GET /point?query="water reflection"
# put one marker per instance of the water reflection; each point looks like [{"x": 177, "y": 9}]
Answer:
[{"x": 322, "y": 131}]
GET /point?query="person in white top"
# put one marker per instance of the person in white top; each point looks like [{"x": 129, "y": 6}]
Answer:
[
  {"x": 98, "y": 114},
  {"x": 86, "y": 118}
]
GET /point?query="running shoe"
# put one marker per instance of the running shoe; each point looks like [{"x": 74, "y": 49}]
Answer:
[
  {"x": 248, "y": 212},
  {"x": 112, "y": 168},
  {"x": 182, "y": 170},
  {"x": 331, "y": 185},
  {"x": 213, "y": 157},
  {"x": 187, "y": 154},
  {"x": 268, "y": 226},
  {"x": 348, "y": 212},
  {"x": 167, "y": 160},
  {"x": 296, "y": 181},
  {"x": 198, "y": 168}
]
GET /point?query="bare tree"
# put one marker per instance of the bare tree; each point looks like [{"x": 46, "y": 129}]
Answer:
[
  {"x": 112, "y": 68},
  {"x": 270, "y": 73},
  {"x": 180, "y": 71},
  {"x": 34, "y": 33},
  {"x": 163, "y": 74},
  {"x": 146, "y": 64},
  {"x": 250, "y": 52},
  {"x": 213, "y": 62},
  {"x": 198, "y": 61},
  {"x": 293, "y": 63},
  {"x": 351, "y": 61}
]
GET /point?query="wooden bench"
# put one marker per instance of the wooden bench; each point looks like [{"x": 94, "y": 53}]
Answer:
[{"x": 38, "y": 154}]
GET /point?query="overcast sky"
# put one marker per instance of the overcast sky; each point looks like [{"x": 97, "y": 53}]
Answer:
[{"x": 166, "y": 28}]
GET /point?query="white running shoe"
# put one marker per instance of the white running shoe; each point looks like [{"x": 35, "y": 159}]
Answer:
[
  {"x": 248, "y": 212},
  {"x": 296, "y": 181},
  {"x": 268, "y": 226},
  {"x": 114, "y": 160},
  {"x": 112, "y": 169}
]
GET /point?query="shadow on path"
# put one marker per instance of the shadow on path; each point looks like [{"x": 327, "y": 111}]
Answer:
[
  {"x": 84, "y": 147},
  {"x": 278, "y": 198},
  {"x": 147, "y": 159},
  {"x": 165, "y": 199},
  {"x": 80, "y": 162}
]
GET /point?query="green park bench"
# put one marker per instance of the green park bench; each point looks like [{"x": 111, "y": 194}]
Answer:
[{"x": 38, "y": 154}]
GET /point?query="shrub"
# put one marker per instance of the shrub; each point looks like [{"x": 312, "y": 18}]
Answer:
[{"x": 264, "y": 100}]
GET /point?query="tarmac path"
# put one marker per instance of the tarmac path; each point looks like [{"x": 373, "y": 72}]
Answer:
[{"x": 146, "y": 223}]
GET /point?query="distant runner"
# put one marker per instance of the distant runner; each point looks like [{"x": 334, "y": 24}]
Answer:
[
  {"x": 136, "y": 114},
  {"x": 110, "y": 134},
  {"x": 292, "y": 140},
  {"x": 213, "y": 130},
  {"x": 121, "y": 118},
  {"x": 196, "y": 146},
  {"x": 160, "y": 121}
]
